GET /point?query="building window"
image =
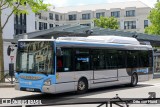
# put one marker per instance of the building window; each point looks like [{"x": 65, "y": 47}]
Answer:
[
  {"x": 98, "y": 15},
  {"x": 86, "y": 16},
  {"x": 20, "y": 19},
  {"x": 39, "y": 15},
  {"x": 130, "y": 25},
  {"x": 45, "y": 25},
  {"x": 72, "y": 17},
  {"x": 57, "y": 25},
  {"x": 35, "y": 25},
  {"x": 42, "y": 26},
  {"x": 115, "y": 14},
  {"x": 19, "y": 24},
  {"x": 50, "y": 25},
  {"x": 130, "y": 13},
  {"x": 24, "y": 21},
  {"x": 61, "y": 17},
  {"x": 145, "y": 23},
  {"x": 15, "y": 19},
  {"x": 87, "y": 24},
  {"x": 57, "y": 17},
  {"x": 51, "y": 16}
]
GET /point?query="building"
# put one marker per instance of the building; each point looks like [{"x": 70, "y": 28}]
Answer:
[
  {"x": 17, "y": 24},
  {"x": 131, "y": 15}
]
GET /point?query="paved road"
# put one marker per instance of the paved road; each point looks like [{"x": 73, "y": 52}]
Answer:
[{"x": 140, "y": 91}]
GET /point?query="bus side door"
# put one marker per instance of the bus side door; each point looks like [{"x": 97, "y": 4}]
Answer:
[{"x": 104, "y": 66}]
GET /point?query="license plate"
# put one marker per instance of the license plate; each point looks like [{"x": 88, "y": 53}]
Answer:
[{"x": 29, "y": 89}]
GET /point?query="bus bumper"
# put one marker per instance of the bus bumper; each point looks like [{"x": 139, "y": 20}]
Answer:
[{"x": 49, "y": 89}]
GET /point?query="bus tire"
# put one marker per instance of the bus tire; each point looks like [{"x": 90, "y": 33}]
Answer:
[
  {"x": 82, "y": 86},
  {"x": 134, "y": 80}
]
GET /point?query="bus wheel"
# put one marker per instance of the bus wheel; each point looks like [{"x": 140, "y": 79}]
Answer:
[
  {"x": 82, "y": 86},
  {"x": 134, "y": 80}
]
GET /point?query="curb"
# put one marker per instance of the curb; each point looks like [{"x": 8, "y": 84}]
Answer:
[
  {"x": 156, "y": 76},
  {"x": 6, "y": 85}
]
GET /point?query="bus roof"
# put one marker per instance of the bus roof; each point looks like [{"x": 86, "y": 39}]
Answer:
[
  {"x": 103, "y": 39},
  {"x": 98, "y": 41}
]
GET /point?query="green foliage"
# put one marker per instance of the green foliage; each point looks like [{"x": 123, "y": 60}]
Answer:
[
  {"x": 154, "y": 18},
  {"x": 107, "y": 22},
  {"x": 18, "y": 7},
  {"x": 22, "y": 6}
]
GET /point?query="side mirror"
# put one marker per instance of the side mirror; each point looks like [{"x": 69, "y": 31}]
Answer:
[
  {"x": 59, "y": 51},
  {"x": 9, "y": 50}
]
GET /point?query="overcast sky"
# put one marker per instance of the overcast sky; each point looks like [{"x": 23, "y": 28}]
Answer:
[{"x": 63, "y": 3}]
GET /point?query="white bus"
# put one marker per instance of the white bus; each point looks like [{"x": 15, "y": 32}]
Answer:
[{"x": 81, "y": 63}]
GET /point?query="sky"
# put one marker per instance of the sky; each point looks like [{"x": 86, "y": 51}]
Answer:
[{"x": 64, "y": 3}]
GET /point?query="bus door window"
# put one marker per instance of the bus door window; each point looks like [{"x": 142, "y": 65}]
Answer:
[
  {"x": 64, "y": 62},
  {"x": 59, "y": 64}
]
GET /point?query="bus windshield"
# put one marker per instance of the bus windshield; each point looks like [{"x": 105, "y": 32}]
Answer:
[{"x": 35, "y": 57}]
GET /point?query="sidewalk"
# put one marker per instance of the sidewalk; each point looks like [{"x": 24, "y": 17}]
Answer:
[
  {"x": 7, "y": 83},
  {"x": 156, "y": 75}
]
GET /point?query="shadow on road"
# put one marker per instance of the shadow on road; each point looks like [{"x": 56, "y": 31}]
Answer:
[{"x": 72, "y": 97}]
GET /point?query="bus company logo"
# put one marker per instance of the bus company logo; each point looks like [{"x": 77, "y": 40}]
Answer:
[
  {"x": 143, "y": 70},
  {"x": 6, "y": 101},
  {"x": 20, "y": 102}
]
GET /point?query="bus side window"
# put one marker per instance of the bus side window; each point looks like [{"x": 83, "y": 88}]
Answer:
[
  {"x": 98, "y": 57},
  {"x": 150, "y": 59},
  {"x": 121, "y": 59},
  {"x": 82, "y": 59},
  {"x": 111, "y": 59}
]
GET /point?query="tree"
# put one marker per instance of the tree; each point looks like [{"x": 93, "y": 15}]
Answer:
[
  {"x": 107, "y": 22},
  {"x": 154, "y": 18},
  {"x": 18, "y": 7}
]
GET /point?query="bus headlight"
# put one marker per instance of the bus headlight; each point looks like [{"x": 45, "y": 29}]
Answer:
[
  {"x": 16, "y": 80},
  {"x": 47, "y": 82}
]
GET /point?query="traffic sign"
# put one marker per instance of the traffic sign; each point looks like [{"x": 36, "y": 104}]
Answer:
[{"x": 11, "y": 57}]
